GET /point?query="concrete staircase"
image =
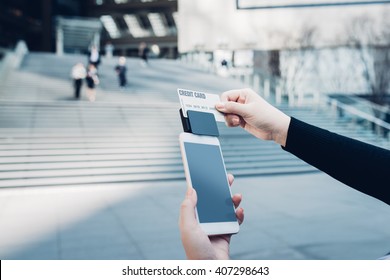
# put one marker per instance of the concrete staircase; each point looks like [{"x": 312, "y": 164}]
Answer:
[{"x": 48, "y": 139}]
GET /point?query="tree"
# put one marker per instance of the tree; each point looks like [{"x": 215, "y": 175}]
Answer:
[
  {"x": 298, "y": 58},
  {"x": 370, "y": 39}
]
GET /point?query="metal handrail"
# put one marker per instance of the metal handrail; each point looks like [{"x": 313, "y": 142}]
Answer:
[
  {"x": 356, "y": 112},
  {"x": 12, "y": 59},
  {"x": 379, "y": 108}
]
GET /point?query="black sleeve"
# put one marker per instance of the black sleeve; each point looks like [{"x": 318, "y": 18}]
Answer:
[{"x": 361, "y": 166}]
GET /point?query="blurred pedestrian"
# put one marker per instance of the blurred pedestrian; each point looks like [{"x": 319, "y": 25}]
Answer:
[
  {"x": 92, "y": 80},
  {"x": 143, "y": 51},
  {"x": 78, "y": 74},
  {"x": 224, "y": 63},
  {"x": 121, "y": 70},
  {"x": 109, "y": 49},
  {"x": 94, "y": 57}
]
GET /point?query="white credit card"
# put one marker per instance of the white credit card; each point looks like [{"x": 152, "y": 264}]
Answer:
[{"x": 199, "y": 101}]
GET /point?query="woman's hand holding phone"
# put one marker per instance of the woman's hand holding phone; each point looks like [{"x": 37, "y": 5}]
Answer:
[{"x": 197, "y": 244}]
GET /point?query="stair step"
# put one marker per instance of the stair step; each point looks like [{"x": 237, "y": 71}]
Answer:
[
  {"x": 155, "y": 176},
  {"x": 119, "y": 138},
  {"x": 141, "y": 168}
]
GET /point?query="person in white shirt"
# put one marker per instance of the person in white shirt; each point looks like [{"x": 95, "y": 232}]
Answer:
[{"x": 78, "y": 74}]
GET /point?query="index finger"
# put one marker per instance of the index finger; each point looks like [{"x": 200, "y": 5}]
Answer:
[{"x": 230, "y": 95}]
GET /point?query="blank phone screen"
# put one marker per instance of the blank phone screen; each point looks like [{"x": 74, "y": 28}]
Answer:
[{"x": 208, "y": 178}]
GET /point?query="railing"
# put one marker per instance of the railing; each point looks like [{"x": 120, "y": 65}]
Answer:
[
  {"x": 266, "y": 85},
  {"x": 12, "y": 59},
  {"x": 380, "y": 127},
  {"x": 315, "y": 99},
  {"x": 270, "y": 89},
  {"x": 379, "y": 109}
]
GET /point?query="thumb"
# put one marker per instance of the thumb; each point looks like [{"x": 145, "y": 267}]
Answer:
[{"x": 231, "y": 107}]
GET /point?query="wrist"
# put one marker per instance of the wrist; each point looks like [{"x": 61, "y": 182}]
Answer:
[{"x": 280, "y": 135}]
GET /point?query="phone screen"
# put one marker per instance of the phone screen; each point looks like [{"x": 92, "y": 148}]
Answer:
[{"x": 208, "y": 178}]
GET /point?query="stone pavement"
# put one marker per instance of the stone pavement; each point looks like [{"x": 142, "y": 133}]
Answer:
[
  {"x": 104, "y": 180},
  {"x": 287, "y": 217}
]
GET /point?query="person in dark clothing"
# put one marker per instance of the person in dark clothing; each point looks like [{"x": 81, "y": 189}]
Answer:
[
  {"x": 368, "y": 165},
  {"x": 224, "y": 63},
  {"x": 121, "y": 72},
  {"x": 92, "y": 80},
  {"x": 143, "y": 51}
]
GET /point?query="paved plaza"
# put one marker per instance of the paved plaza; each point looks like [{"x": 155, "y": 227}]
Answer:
[{"x": 287, "y": 217}]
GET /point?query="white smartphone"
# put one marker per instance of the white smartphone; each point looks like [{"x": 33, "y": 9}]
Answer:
[{"x": 205, "y": 172}]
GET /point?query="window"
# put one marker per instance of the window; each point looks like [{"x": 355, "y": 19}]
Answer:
[
  {"x": 134, "y": 27},
  {"x": 158, "y": 25},
  {"x": 110, "y": 25}
]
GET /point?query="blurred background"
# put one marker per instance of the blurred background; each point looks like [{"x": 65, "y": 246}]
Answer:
[{"x": 90, "y": 166}]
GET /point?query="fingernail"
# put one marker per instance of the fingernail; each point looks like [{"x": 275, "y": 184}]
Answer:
[
  {"x": 236, "y": 121},
  {"x": 220, "y": 105}
]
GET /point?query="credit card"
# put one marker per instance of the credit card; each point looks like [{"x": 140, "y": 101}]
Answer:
[{"x": 199, "y": 101}]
